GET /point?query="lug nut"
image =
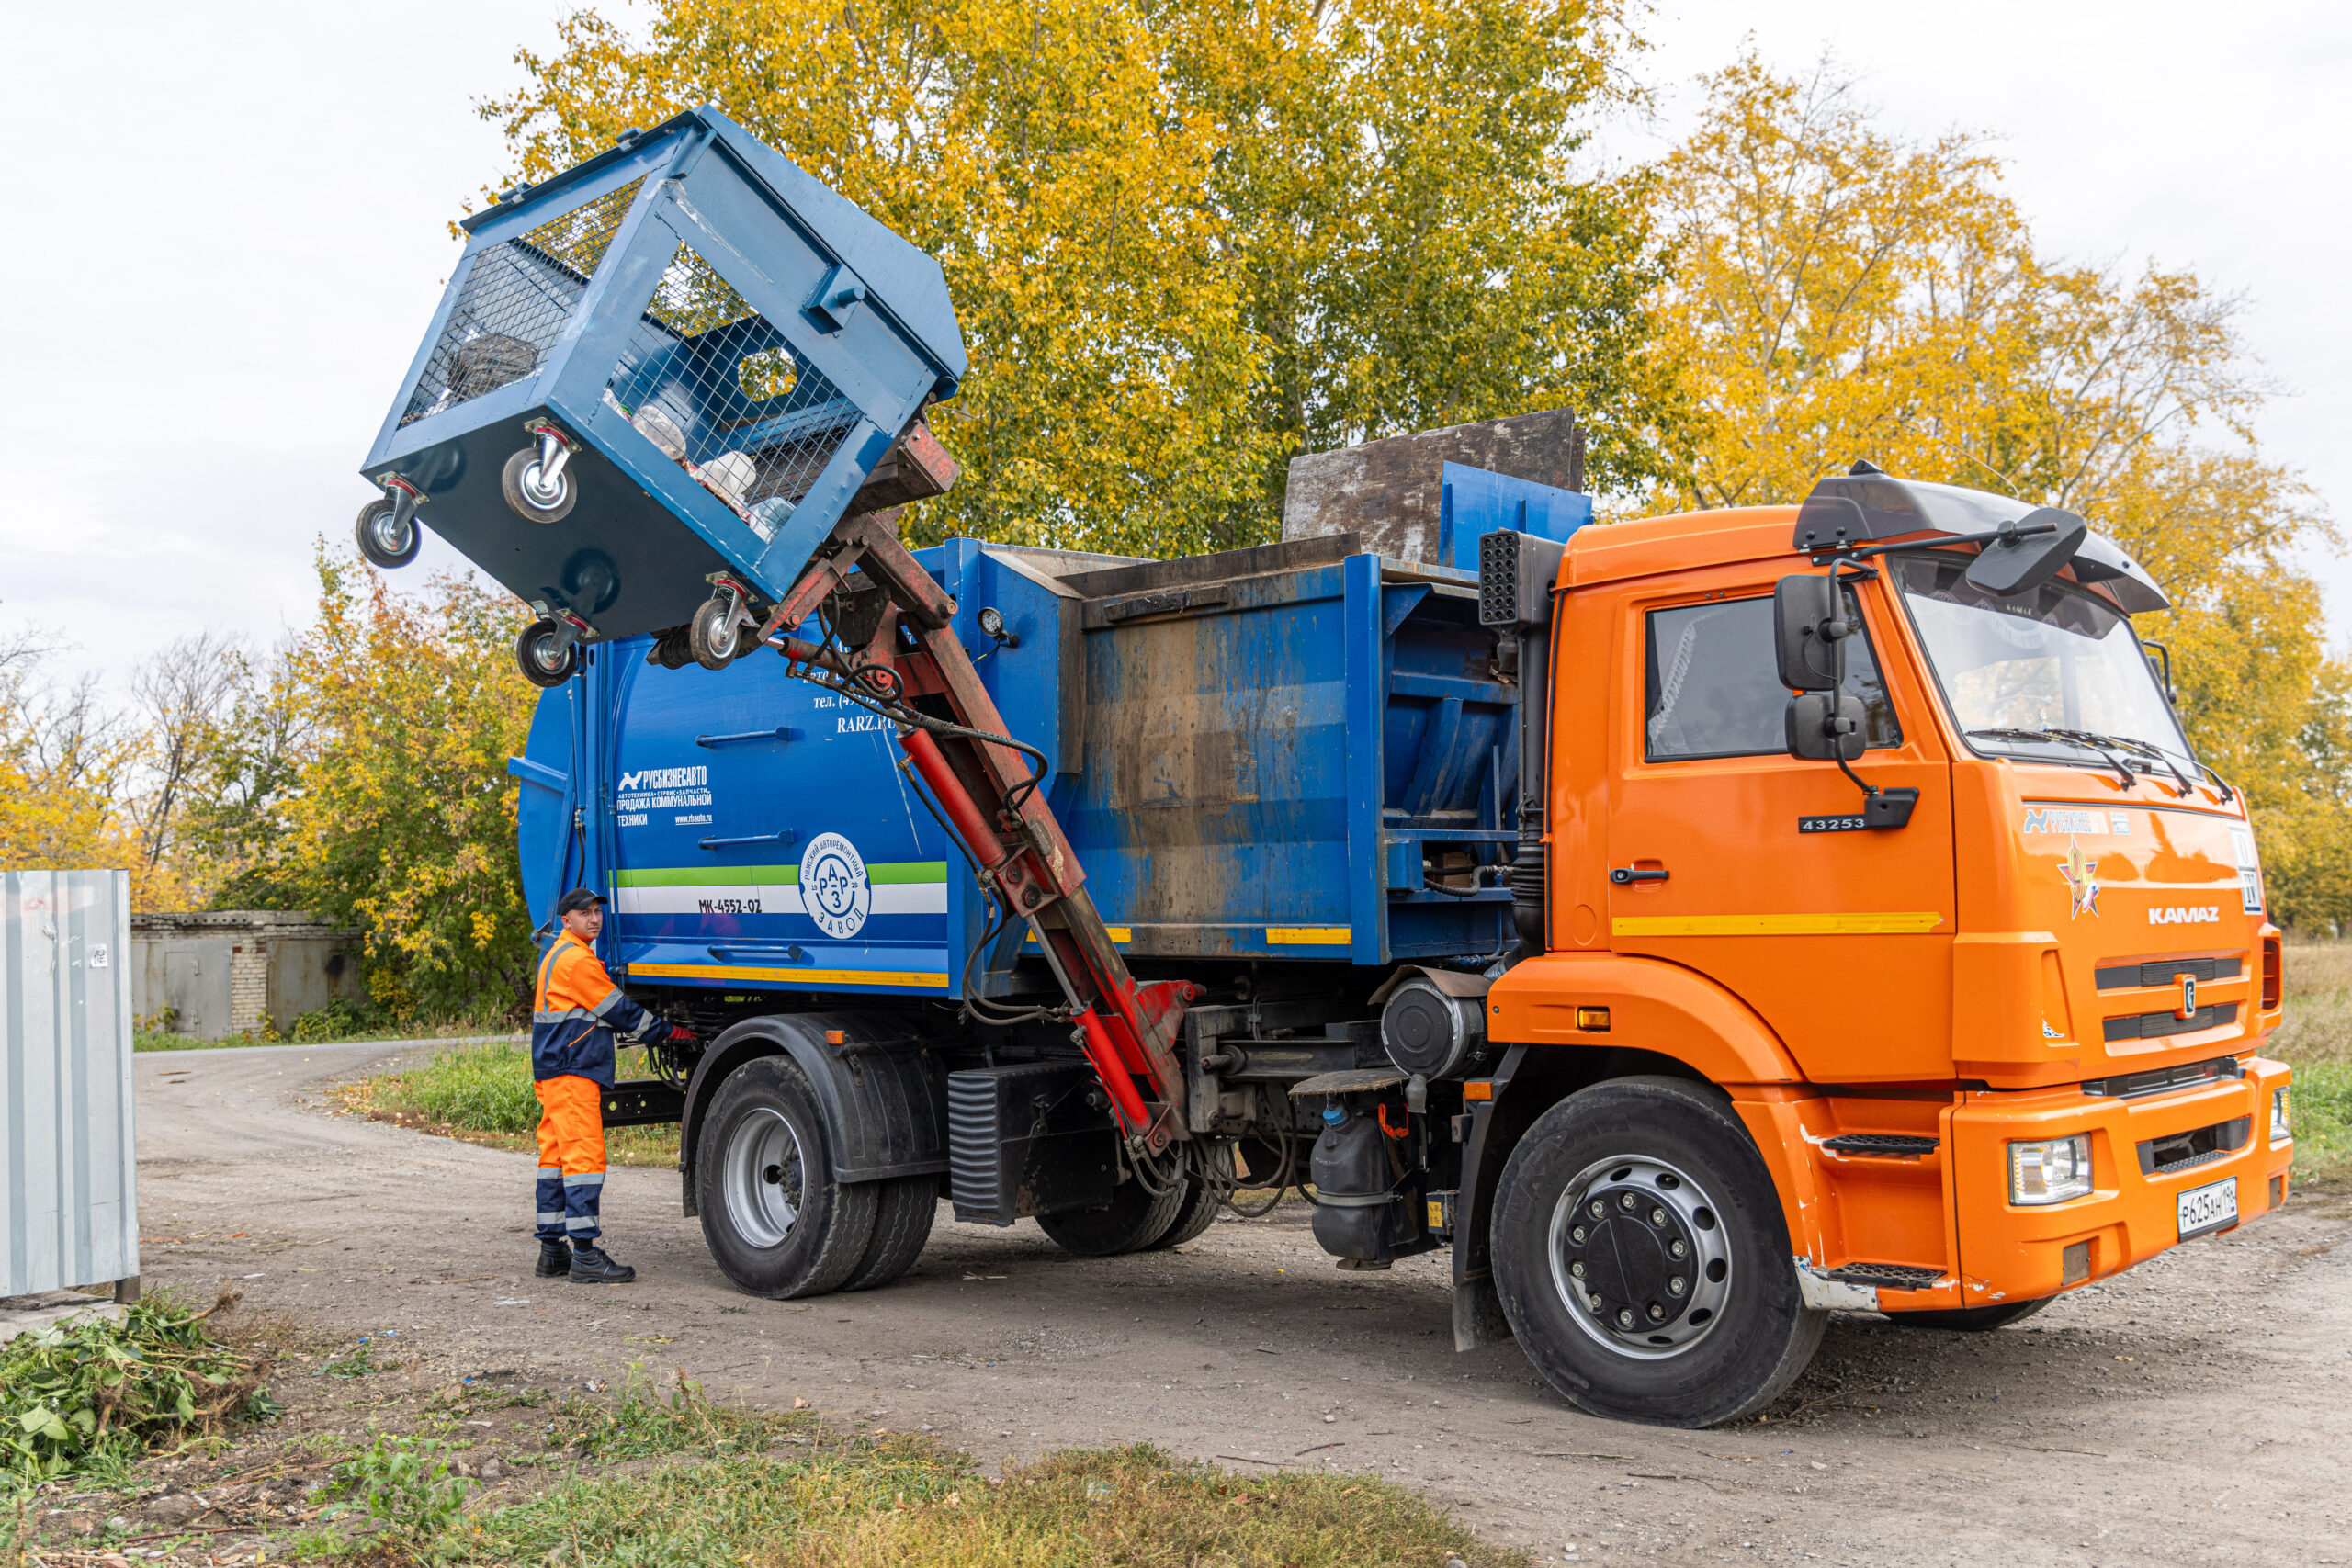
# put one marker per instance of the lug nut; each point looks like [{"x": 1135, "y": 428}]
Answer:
[
  {"x": 1594, "y": 1301},
  {"x": 1657, "y": 1312},
  {"x": 1678, "y": 1247},
  {"x": 1576, "y": 1234},
  {"x": 1597, "y": 1209},
  {"x": 1658, "y": 1216},
  {"x": 1624, "y": 1318},
  {"x": 1677, "y": 1285},
  {"x": 1575, "y": 1271}
]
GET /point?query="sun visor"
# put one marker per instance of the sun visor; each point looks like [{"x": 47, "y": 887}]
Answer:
[
  {"x": 1857, "y": 509},
  {"x": 2102, "y": 561}
]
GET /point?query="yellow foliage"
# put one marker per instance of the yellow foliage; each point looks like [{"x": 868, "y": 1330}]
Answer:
[
  {"x": 1842, "y": 294},
  {"x": 1187, "y": 243}
]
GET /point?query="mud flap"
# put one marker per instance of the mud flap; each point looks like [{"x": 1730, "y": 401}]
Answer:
[{"x": 1478, "y": 1314}]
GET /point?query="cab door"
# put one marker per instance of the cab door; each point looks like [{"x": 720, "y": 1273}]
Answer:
[{"x": 1731, "y": 857}]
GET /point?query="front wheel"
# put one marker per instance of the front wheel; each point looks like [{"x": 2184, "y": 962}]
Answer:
[
  {"x": 1971, "y": 1320},
  {"x": 776, "y": 1220},
  {"x": 1643, "y": 1261},
  {"x": 545, "y": 659},
  {"x": 385, "y": 540}
]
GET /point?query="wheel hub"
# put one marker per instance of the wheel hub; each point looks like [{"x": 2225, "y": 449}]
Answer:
[
  {"x": 764, "y": 1177},
  {"x": 539, "y": 488},
  {"x": 1640, "y": 1258}
]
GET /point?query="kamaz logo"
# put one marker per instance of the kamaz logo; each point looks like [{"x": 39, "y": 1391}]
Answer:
[
  {"x": 666, "y": 778},
  {"x": 2208, "y": 914},
  {"x": 2051, "y": 820}
]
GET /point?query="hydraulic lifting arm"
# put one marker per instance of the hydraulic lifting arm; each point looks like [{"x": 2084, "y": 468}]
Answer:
[{"x": 911, "y": 666}]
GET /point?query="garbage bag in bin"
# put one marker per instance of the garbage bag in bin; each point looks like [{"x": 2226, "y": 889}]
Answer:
[{"x": 680, "y": 358}]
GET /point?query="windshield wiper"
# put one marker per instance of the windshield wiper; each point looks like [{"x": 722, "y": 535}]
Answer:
[
  {"x": 2142, "y": 747},
  {"x": 2084, "y": 739}
]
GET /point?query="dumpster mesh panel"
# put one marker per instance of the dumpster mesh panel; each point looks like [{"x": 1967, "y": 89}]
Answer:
[
  {"x": 713, "y": 384},
  {"x": 515, "y": 299}
]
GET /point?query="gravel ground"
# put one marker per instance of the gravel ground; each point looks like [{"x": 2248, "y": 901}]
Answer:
[{"x": 2197, "y": 1410}]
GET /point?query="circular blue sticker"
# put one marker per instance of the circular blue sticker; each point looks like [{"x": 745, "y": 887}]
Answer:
[{"x": 833, "y": 885}]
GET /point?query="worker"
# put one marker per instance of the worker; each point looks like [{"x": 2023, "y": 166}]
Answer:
[{"x": 574, "y": 1016}]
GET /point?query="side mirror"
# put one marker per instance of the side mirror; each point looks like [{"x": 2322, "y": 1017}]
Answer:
[
  {"x": 1808, "y": 633},
  {"x": 2018, "y": 562},
  {"x": 1825, "y": 727}
]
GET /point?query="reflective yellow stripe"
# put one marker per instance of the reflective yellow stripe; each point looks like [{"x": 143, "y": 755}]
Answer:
[
  {"x": 811, "y": 977},
  {"x": 1309, "y": 936},
  {"x": 1900, "y": 921}
]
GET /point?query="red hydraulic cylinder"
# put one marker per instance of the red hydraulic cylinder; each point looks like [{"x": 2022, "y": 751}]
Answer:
[
  {"x": 1111, "y": 1070},
  {"x": 971, "y": 823}
]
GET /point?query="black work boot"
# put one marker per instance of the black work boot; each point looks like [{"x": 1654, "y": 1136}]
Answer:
[
  {"x": 591, "y": 1266},
  {"x": 555, "y": 1257}
]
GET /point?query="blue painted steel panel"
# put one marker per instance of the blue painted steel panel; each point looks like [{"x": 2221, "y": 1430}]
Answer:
[
  {"x": 1261, "y": 776},
  {"x": 1473, "y": 503}
]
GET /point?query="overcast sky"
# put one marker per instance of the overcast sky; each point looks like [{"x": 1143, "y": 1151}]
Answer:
[{"x": 230, "y": 232}]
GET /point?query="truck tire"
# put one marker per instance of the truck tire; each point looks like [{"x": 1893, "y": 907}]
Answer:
[
  {"x": 774, "y": 1218},
  {"x": 1193, "y": 1215},
  {"x": 1643, "y": 1261},
  {"x": 1971, "y": 1320},
  {"x": 903, "y": 1210},
  {"x": 1134, "y": 1220}
]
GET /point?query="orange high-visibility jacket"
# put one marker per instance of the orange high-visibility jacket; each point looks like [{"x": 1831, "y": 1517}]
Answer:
[{"x": 576, "y": 1012}]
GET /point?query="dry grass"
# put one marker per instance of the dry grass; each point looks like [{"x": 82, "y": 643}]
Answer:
[{"x": 2316, "y": 1039}]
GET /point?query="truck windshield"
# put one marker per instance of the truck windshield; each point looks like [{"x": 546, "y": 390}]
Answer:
[{"x": 2056, "y": 674}]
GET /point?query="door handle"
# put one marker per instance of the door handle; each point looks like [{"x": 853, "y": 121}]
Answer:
[{"x": 1622, "y": 874}]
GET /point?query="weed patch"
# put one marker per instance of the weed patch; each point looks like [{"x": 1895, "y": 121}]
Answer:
[
  {"x": 2317, "y": 1040},
  {"x": 87, "y": 1399}
]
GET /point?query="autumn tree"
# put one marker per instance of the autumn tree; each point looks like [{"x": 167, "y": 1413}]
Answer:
[
  {"x": 1188, "y": 241},
  {"x": 1841, "y": 292}
]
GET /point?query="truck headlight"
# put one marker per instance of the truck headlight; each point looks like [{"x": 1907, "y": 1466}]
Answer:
[
  {"x": 2050, "y": 1170},
  {"x": 2282, "y": 1125}
]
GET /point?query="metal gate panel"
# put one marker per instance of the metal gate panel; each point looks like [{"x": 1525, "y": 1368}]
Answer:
[{"x": 69, "y": 1198}]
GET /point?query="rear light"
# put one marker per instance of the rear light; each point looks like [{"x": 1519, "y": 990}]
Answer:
[
  {"x": 2274, "y": 970},
  {"x": 2282, "y": 1126},
  {"x": 2050, "y": 1170}
]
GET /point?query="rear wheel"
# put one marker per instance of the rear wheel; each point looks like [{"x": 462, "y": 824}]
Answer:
[
  {"x": 1643, "y": 1261},
  {"x": 1971, "y": 1320},
  {"x": 1134, "y": 1220},
  {"x": 776, "y": 1220},
  {"x": 1202, "y": 1197},
  {"x": 904, "y": 1209}
]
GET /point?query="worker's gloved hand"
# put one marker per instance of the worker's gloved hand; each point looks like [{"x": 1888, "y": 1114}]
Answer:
[{"x": 678, "y": 1035}]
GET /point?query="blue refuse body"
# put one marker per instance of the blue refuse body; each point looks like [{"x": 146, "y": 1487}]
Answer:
[
  {"x": 683, "y": 357},
  {"x": 1288, "y": 753}
]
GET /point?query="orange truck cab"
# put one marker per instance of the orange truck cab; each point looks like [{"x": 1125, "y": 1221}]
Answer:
[{"x": 1884, "y": 918}]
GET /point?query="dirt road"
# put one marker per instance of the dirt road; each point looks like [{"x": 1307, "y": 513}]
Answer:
[{"x": 2198, "y": 1410}]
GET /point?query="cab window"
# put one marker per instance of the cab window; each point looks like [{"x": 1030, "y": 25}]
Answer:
[{"x": 1713, "y": 691}]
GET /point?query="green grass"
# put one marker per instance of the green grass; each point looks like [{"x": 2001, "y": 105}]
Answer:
[
  {"x": 165, "y": 1039},
  {"x": 2316, "y": 1041},
  {"x": 486, "y": 1091}
]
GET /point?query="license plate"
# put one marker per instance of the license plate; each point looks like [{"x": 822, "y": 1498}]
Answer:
[{"x": 2208, "y": 1208}]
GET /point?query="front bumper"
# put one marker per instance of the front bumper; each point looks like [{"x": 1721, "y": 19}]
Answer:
[{"x": 2014, "y": 1252}]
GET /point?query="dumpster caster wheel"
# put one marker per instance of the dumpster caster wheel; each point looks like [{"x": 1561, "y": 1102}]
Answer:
[
  {"x": 386, "y": 538},
  {"x": 715, "y": 637},
  {"x": 544, "y": 657},
  {"x": 539, "y": 490}
]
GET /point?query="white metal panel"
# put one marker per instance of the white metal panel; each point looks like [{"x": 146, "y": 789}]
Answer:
[{"x": 69, "y": 1193}]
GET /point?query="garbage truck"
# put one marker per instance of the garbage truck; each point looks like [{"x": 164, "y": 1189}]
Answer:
[{"x": 1693, "y": 925}]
